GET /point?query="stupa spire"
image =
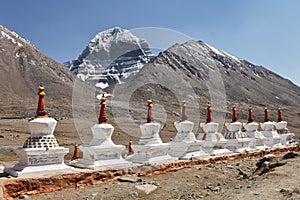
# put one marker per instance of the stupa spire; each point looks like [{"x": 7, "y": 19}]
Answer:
[
  {"x": 279, "y": 115},
  {"x": 102, "y": 115},
  {"x": 208, "y": 118},
  {"x": 250, "y": 118},
  {"x": 41, "y": 109},
  {"x": 183, "y": 112},
  {"x": 234, "y": 117},
  {"x": 266, "y": 115},
  {"x": 149, "y": 113}
]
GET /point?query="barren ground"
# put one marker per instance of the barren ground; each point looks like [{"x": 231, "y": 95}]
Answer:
[{"x": 212, "y": 182}]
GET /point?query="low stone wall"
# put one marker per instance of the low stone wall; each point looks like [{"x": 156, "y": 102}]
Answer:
[{"x": 16, "y": 187}]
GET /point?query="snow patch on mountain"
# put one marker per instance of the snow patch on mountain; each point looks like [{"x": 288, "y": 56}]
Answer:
[
  {"x": 5, "y": 35},
  {"x": 13, "y": 37},
  {"x": 223, "y": 53}
]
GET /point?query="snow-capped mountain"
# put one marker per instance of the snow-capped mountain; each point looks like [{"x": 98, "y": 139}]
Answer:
[{"x": 112, "y": 56}]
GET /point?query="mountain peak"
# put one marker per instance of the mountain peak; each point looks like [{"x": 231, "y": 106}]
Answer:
[
  {"x": 105, "y": 39},
  {"x": 112, "y": 56},
  {"x": 109, "y": 33}
]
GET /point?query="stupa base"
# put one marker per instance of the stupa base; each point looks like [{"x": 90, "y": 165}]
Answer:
[
  {"x": 195, "y": 155},
  {"x": 40, "y": 170},
  {"x": 258, "y": 141},
  {"x": 287, "y": 139},
  {"x": 216, "y": 152},
  {"x": 260, "y": 145},
  {"x": 187, "y": 150},
  {"x": 39, "y": 161},
  {"x": 151, "y": 154},
  {"x": 270, "y": 142},
  {"x": 111, "y": 164},
  {"x": 239, "y": 145},
  {"x": 273, "y": 139},
  {"x": 216, "y": 148},
  {"x": 104, "y": 157}
]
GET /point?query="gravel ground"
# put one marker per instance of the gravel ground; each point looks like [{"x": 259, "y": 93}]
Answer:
[{"x": 233, "y": 180}]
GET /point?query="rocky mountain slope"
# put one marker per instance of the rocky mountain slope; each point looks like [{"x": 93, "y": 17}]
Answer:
[
  {"x": 112, "y": 56},
  {"x": 22, "y": 68},
  {"x": 243, "y": 81},
  {"x": 199, "y": 73}
]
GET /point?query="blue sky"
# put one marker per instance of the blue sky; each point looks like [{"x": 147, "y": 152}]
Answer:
[{"x": 264, "y": 32}]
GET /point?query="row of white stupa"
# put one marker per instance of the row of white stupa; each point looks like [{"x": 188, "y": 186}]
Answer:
[{"x": 41, "y": 154}]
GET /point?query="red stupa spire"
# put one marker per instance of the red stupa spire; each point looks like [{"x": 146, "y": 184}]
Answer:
[
  {"x": 183, "y": 112},
  {"x": 149, "y": 113},
  {"x": 208, "y": 119},
  {"x": 266, "y": 115},
  {"x": 250, "y": 119},
  {"x": 41, "y": 109},
  {"x": 279, "y": 115},
  {"x": 234, "y": 117},
  {"x": 102, "y": 115}
]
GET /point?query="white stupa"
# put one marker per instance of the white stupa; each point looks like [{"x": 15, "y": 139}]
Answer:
[
  {"x": 252, "y": 132},
  {"x": 185, "y": 146},
  {"x": 238, "y": 141},
  {"x": 273, "y": 139},
  {"x": 282, "y": 130},
  {"x": 213, "y": 142},
  {"x": 101, "y": 153},
  {"x": 40, "y": 155},
  {"x": 150, "y": 149}
]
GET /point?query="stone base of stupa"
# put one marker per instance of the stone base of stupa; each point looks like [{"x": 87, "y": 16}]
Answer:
[
  {"x": 151, "y": 154},
  {"x": 287, "y": 139},
  {"x": 216, "y": 148},
  {"x": 239, "y": 145},
  {"x": 258, "y": 141},
  {"x": 40, "y": 162},
  {"x": 101, "y": 157},
  {"x": 273, "y": 139},
  {"x": 214, "y": 143},
  {"x": 238, "y": 141},
  {"x": 187, "y": 150}
]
